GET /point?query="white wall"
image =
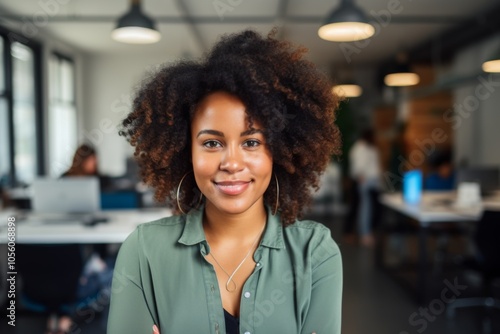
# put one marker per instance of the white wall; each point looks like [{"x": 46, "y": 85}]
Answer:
[
  {"x": 110, "y": 82},
  {"x": 477, "y": 106}
]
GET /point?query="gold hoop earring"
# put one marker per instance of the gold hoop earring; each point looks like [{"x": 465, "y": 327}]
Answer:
[
  {"x": 277, "y": 195},
  {"x": 179, "y": 190}
]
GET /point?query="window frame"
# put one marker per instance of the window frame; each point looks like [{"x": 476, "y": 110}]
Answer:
[{"x": 8, "y": 38}]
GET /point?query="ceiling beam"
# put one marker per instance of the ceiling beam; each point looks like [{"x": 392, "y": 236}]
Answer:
[
  {"x": 297, "y": 19},
  {"x": 468, "y": 32},
  {"x": 191, "y": 24},
  {"x": 280, "y": 19}
]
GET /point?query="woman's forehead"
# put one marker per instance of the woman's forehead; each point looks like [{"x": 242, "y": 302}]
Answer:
[{"x": 223, "y": 109}]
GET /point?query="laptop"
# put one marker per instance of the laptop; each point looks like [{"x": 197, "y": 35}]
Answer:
[
  {"x": 69, "y": 199},
  {"x": 488, "y": 178}
]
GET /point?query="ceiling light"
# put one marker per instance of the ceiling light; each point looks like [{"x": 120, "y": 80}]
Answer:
[
  {"x": 492, "y": 65},
  {"x": 401, "y": 79},
  {"x": 347, "y": 90},
  {"x": 347, "y": 23},
  {"x": 400, "y": 74},
  {"x": 135, "y": 28}
]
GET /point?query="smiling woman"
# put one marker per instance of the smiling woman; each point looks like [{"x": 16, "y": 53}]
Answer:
[{"x": 236, "y": 142}]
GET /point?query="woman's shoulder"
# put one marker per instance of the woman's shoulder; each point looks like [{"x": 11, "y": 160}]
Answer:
[
  {"x": 165, "y": 222},
  {"x": 308, "y": 227},
  {"x": 311, "y": 235},
  {"x": 160, "y": 230}
]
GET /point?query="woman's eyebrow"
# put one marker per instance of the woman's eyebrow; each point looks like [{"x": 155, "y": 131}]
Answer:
[
  {"x": 251, "y": 132},
  {"x": 210, "y": 132},
  {"x": 221, "y": 134}
]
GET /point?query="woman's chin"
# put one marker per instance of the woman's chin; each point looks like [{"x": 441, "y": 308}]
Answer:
[{"x": 229, "y": 208}]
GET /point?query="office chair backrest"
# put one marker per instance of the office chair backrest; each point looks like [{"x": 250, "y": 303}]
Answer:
[
  {"x": 50, "y": 273},
  {"x": 487, "y": 238}
]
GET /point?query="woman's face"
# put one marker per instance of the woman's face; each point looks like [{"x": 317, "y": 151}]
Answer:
[
  {"x": 232, "y": 165},
  {"x": 89, "y": 165}
]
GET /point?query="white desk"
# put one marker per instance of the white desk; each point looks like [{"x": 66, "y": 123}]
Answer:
[
  {"x": 438, "y": 207},
  {"x": 120, "y": 224},
  {"x": 435, "y": 208}
]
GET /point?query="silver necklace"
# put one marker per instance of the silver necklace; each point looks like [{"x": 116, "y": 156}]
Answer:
[{"x": 230, "y": 282}]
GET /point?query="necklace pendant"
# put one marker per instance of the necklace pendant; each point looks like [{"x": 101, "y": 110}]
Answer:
[{"x": 230, "y": 285}]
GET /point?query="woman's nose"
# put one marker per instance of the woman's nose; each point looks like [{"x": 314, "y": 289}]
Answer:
[{"x": 232, "y": 160}]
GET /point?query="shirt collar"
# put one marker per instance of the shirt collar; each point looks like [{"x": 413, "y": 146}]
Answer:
[{"x": 193, "y": 232}]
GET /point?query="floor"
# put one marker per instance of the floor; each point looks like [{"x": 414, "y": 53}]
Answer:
[{"x": 372, "y": 303}]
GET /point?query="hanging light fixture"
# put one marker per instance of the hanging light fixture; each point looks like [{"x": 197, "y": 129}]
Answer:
[
  {"x": 347, "y": 90},
  {"x": 135, "y": 28},
  {"x": 347, "y": 23},
  {"x": 400, "y": 74},
  {"x": 492, "y": 65}
]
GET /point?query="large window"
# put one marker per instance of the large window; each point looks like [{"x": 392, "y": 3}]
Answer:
[
  {"x": 62, "y": 131},
  {"x": 21, "y": 146},
  {"x": 24, "y": 105},
  {"x": 5, "y": 156}
]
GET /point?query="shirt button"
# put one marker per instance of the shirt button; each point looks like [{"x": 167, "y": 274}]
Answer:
[
  {"x": 258, "y": 264},
  {"x": 247, "y": 294},
  {"x": 247, "y": 332}
]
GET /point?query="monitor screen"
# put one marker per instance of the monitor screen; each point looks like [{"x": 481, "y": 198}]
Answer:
[{"x": 412, "y": 186}]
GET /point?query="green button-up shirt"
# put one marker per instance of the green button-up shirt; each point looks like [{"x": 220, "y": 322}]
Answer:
[{"x": 161, "y": 277}]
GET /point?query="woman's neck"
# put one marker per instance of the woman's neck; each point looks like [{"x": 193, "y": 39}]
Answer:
[{"x": 242, "y": 227}]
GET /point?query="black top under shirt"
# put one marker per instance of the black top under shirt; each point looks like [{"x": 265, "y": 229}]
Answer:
[{"x": 232, "y": 323}]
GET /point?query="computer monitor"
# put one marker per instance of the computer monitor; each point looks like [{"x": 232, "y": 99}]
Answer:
[
  {"x": 412, "y": 186},
  {"x": 487, "y": 177},
  {"x": 66, "y": 195}
]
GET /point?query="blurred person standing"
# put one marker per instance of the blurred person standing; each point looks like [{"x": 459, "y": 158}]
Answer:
[{"x": 364, "y": 164}]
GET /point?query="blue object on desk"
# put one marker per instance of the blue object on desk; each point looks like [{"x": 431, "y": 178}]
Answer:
[
  {"x": 120, "y": 200},
  {"x": 412, "y": 186},
  {"x": 434, "y": 181}
]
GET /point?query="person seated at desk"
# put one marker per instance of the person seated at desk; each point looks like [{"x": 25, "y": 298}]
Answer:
[
  {"x": 442, "y": 176},
  {"x": 95, "y": 274},
  {"x": 85, "y": 163}
]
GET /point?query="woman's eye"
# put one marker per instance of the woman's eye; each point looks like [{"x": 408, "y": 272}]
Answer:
[
  {"x": 251, "y": 143},
  {"x": 211, "y": 144}
]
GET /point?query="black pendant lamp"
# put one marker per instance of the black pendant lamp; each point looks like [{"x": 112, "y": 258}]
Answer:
[
  {"x": 135, "y": 27},
  {"x": 492, "y": 65},
  {"x": 346, "y": 23},
  {"x": 399, "y": 74}
]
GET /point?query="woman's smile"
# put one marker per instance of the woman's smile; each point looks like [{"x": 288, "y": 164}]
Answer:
[{"x": 232, "y": 188}]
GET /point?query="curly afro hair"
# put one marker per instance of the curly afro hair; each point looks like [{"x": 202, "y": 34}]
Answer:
[{"x": 282, "y": 91}]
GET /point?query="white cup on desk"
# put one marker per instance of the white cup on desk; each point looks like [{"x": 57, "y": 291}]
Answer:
[{"x": 468, "y": 195}]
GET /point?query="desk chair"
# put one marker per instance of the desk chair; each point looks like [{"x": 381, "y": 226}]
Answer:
[
  {"x": 123, "y": 199},
  {"x": 487, "y": 262},
  {"x": 49, "y": 275}
]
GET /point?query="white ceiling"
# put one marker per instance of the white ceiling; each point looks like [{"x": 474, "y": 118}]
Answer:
[{"x": 180, "y": 39}]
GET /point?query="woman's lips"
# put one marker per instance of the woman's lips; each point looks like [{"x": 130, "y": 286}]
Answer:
[{"x": 232, "y": 187}]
